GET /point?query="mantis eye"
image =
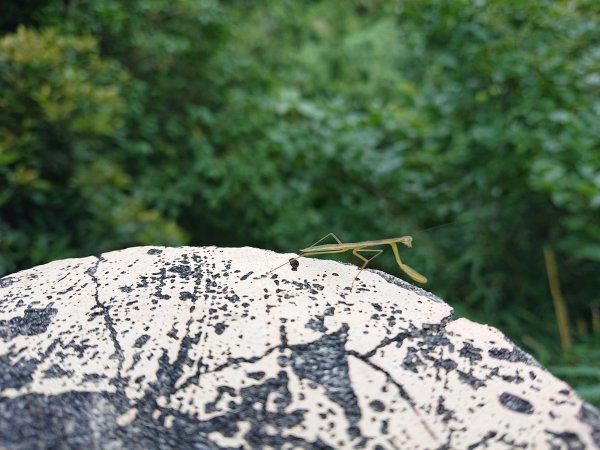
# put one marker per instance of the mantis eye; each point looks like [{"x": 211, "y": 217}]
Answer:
[{"x": 294, "y": 263}]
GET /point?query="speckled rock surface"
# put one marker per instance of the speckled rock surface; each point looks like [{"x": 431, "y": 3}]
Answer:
[{"x": 196, "y": 348}]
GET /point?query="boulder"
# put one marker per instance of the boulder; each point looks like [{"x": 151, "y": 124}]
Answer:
[{"x": 201, "y": 347}]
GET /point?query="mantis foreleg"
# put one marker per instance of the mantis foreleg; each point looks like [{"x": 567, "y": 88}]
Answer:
[{"x": 407, "y": 269}]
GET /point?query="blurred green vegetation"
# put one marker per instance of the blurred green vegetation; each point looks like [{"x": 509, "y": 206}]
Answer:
[{"x": 273, "y": 123}]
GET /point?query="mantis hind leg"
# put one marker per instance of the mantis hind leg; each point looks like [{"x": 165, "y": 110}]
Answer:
[
  {"x": 291, "y": 260},
  {"x": 356, "y": 252},
  {"x": 309, "y": 253},
  {"x": 325, "y": 237}
]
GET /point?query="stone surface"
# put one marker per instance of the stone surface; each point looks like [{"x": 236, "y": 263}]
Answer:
[{"x": 198, "y": 348}]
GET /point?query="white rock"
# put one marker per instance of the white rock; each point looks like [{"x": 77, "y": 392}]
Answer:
[{"x": 154, "y": 347}]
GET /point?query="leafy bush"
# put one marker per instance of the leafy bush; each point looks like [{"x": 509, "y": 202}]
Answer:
[{"x": 64, "y": 175}]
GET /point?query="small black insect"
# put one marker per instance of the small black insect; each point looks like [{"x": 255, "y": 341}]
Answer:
[{"x": 294, "y": 263}]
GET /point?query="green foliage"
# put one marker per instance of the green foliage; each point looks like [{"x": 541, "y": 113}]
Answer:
[
  {"x": 274, "y": 123},
  {"x": 65, "y": 182},
  {"x": 510, "y": 95},
  {"x": 581, "y": 369}
]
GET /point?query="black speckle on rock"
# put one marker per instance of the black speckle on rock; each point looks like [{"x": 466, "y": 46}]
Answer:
[
  {"x": 441, "y": 410},
  {"x": 126, "y": 289},
  {"x": 385, "y": 427},
  {"x": 172, "y": 332},
  {"x": 412, "y": 360},
  {"x": 377, "y": 405},
  {"x": 495, "y": 372},
  {"x": 211, "y": 407},
  {"x": 571, "y": 440},
  {"x": 514, "y": 355},
  {"x": 154, "y": 251},
  {"x": 185, "y": 295},
  {"x": 80, "y": 348},
  {"x": 93, "y": 377},
  {"x": 256, "y": 375},
  {"x": 515, "y": 403},
  {"x": 34, "y": 321},
  {"x": 283, "y": 361},
  {"x": 470, "y": 379},
  {"x": 482, "y": 443},
  {"x": 185, "y": 271},
  {"x": 6, "y": 282},
  {"x": 139, "y": 342},
  {"x": 316, "y": 324},
  {"x": 590, "y": 417},
  {"x": 55, "y": 371},
  {"x": 447, "y": 364},
  {"x": 233, "y": 299},
  {"x": 220, "y": 328},
  {"x": 470, "y": 352}
]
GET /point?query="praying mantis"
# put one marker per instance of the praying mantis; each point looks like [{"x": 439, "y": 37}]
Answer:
[{"x": 357, "y": 248}]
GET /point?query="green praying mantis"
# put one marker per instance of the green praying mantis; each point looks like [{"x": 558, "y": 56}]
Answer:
[{"x": 358, "y": 248}]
